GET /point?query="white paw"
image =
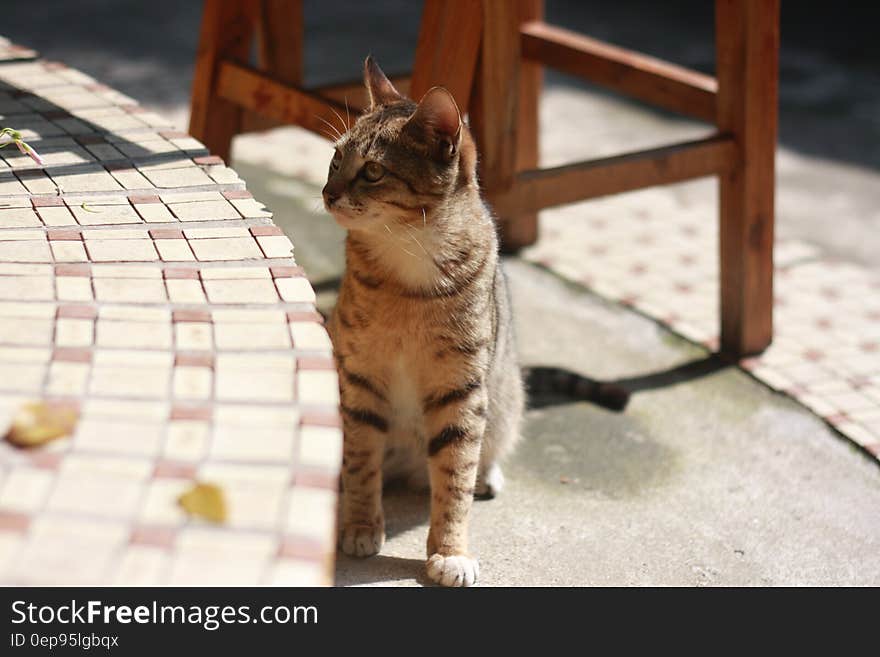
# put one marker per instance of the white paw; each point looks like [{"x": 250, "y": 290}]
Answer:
[
  {"x": 362, "y": 540},
  {"x": 454, "y": 570},
  {"x": 489, "y": 482}
]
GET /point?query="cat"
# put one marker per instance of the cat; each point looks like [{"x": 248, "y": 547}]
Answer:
[{"x": 430, "y": 386}]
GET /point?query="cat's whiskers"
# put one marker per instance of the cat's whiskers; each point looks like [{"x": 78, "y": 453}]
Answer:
[
  {"x": 391, "y": 232},
  {"x": 344, "y": 127},
  {"x": 347, "y": 114},
  {"x": 331, "y": 126},
  {"x": 412, "y": 233}
]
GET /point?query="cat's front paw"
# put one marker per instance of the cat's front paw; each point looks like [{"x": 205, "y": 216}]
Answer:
[
  {"x": 361, "y": 540},
  {"x": 453, "y": 570}
]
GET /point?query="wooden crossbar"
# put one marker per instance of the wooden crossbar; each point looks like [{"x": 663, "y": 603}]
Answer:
[
  {"x": 355, "y": 93},
  {"x": 348, "y": 98},
  {"x": 625, "y": 71},
  {"x": 537, "y": 189},
  {"x": 267, "y": 97}
]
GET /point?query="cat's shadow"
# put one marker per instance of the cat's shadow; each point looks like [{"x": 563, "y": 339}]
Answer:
[
  {"x": 354, "y": 571},
  {"x": 405, "y": 510}
]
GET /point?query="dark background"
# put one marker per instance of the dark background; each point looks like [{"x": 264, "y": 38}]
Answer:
[{"x": 829, "y": 73}]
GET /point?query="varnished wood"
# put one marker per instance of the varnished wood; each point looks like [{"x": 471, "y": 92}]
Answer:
[
  {"x": 631, "y": 73},
  {"x": 280, "y": 39},
  {"x": 747, "y": 54},
  {"x": 519, "y": 230},
  {"x": 256, "y": 91},
  {"x": 447, "y": 50},
  {"x": 279, "y": 50},
  {"x": 352, "y": 96},
  {"x": 226, "y": 33},
  {"x": 493, "y": 110},
  {"x": 543, "y": 188}
]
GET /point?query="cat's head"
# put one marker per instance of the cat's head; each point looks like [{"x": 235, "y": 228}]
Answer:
[{"x": 400, "y": 159}]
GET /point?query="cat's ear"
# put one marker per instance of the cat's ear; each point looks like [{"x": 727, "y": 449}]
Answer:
[
  {"x": 379, "y": 87},
  {"x": 437, "y": 117}
]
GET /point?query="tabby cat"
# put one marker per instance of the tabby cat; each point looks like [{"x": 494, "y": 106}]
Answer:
[{"x": 430, "y": 387}]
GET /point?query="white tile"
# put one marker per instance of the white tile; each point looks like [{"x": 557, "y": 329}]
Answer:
[{"x": 320, "y": 447}]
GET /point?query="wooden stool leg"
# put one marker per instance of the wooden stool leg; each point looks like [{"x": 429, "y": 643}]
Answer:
[
  {"x": 747, "y": 45},
  {"x": 226, "y": 33},
  {"x": 280, "y": 39},
  {"x": 494, "y": 107},
  {"x": 522, "y": 230},
  {"x": 447, "y": 50}
]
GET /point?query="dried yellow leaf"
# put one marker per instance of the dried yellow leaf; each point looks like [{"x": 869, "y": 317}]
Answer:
[
  {"x": 204, "y": 501},
  {"x": 36, "y": 423}
]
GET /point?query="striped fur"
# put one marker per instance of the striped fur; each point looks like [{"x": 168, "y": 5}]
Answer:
[{"x": 429, "y": 383}]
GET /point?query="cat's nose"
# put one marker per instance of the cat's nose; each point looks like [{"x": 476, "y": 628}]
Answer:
[{"x": 330, "y": 195}]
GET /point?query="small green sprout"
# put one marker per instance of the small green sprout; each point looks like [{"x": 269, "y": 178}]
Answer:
[{"x": 12, "y": 136}]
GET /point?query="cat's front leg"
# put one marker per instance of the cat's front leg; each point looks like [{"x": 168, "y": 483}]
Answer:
[
  {"x": 456, "y": 429},
  {"x": 363, "y": 523}
]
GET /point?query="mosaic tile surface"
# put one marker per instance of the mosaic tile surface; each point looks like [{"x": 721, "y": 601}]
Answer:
[
  {"x": 10, "y": 51},
  {"x": 142, "y": 285},
  {"x": 658, "y": 253}
]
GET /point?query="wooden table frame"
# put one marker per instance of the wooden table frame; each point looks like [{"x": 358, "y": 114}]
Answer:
[{"x": 491, "y": 62}]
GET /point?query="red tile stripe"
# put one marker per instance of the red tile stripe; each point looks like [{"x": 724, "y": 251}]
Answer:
[
  {"x": 316, "y": 418},
  {"x": 191, "y": 413},
  {"x": 265, "y": 231},
  {"x": 166, "y": 234},
  {"x": 304, "y": 316},
  {"x": 14, "y": 522},
  {"x": 208, "y": 159},
  {"x": 298, "y": 547},
  {"x": 194, "y": 360},
  {"x": 287, "y": 272},
  {"x": 91, "y": 139},
  {"x": 191, "y": 316},
  {"x": 162, "y": 537},
  {"x": 75, "y": 269},
  {"x": 310, "y": 478},
  {"x": 64, "y": 236},
  {"x": 314, "y": 362},
  {"x": 174, "y": 470},
  {"x": 47, "y": 201},
  {"x": 234, "y": 194},
  {"x": 142, "y": 199},
  {"x": 45, "y": 460},
  {"x": 72, "y": 354},
  {"x": 181, "y": 273},
  {"x": 77, "y": 311}
]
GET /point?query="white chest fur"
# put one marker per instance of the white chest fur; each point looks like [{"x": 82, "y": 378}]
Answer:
[
  {"x": 406, "y": 405},
  {"x": 405, "y": 454}
]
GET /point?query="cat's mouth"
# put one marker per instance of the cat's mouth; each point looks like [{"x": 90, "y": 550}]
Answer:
[{"x": 345, "y": 217}]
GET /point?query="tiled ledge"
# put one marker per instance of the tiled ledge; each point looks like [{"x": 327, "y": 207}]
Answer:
[{"x": 141, "y": 284}]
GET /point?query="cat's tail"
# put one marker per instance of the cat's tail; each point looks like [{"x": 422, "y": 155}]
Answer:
[{"x": 559, "y": 381}]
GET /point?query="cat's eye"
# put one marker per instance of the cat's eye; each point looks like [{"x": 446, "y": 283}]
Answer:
[
  {"x": 373, "y": 171},
  {"x": 337, "y": 160}
]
